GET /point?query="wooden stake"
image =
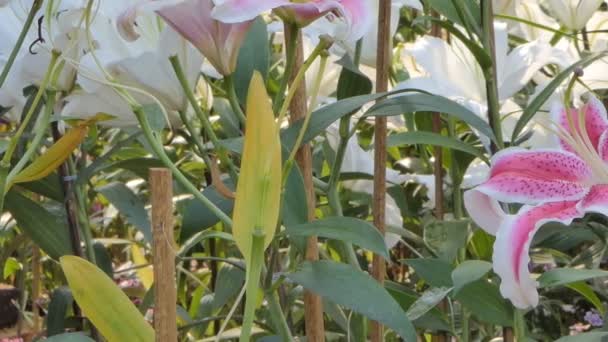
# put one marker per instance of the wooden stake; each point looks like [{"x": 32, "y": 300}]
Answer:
[
  {"x": 165, "y": 294},
  {"x": 380, "y": 133},
  {"x": 313, "y": 306}
]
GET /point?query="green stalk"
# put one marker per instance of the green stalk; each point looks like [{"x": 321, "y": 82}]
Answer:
[
  {"x": 222, "y": 153},
  {"x": 278, "y": 317},
  {"x": 519, "y": 325},
  {"x": 254, "y": 271},
  {"x": 26, "y": 27},
  {"x": 333, "y": 196},
  {"x": 313, "y": 102},
  {"x": 487, "y": 17},
  {"x": 43, "y": 123},
  {"x": 181, "y": 179},
  {"x": 291, "y": 44},
  {"x": 455, "y": 174},
  {"x": 85, "y": 225},
  {"x": 323, "y": 45},
  {"x": 196, "y": 137},
  {"x": 234, "y": 100}
]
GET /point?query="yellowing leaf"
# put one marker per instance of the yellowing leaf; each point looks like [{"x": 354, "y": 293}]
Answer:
[
  {"x": 53, "y": 157},
  {"x": 145, "y": 274},
  {"x": 259, "y": 187},
  {"x": 104, "y": 303},
  {"x": 57, "y": 154}
]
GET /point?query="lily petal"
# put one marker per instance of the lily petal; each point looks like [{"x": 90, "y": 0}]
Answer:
[
  {"x": 596, "y": 200},
  {"x": 485, "y": 211},
  {"x": 236, "y": 11},
  {"x": 532, "y": 177},
  {"x": 512, "y": 246},
  {"x": 596, "y": 120}
]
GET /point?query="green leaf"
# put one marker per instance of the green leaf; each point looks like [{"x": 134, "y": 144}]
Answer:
[
  {"x": 429, "y": 299},
  {"x": 197, "y": 217},
  {"x": 434, "y": 319},
  {"x": 129, "y": 205},
  {"x": 200, "y": 237},
  {"x": 104, "y": 303},
  {"x": 563, "y": 276},
  {"x": 586, "y": 291},
  {"x": 11, "y": 266},
  {"x": 356, "y": 290},
  {"x": 447, "y": 9},
  {"x": 347, "y": 229},
  {"x": 445, "y": 238},
  {"x": 428, "y": 138},
  {"x": 468, "y": 272},
  {"x": 423, "y": 102},
  {"x": 352, "y": 82},
  {"x": 599, "y": 336},
  {"x": 486, "y": 303},
  {"x": 229, "y": 282},
  {"x": 436, "y": 272},
  {"x": 48, "y": 231},
  {"x": 254, "y": 55},
  {"x": 549, "y": 90},
  {"x": 60, "y": 305},
  {"x": 70, "y": 337}
]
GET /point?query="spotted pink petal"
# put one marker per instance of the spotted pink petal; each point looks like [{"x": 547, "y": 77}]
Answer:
[
  {"x": 485, "y": 211},
  {"x": 602, "y": 146},
  {"x": 596, "y": 120},
  {"x": 596, "y": 200},
  {"x": 511, "y": 248},
  {"x": 532, "y": 177}
]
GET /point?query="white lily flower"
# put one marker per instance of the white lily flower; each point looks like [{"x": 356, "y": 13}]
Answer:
[
  {"x": 573, "y": 14},
  {"x": 131, "y": 64},
  {"x": 63, "y": 33},
  {"x": 451, "y": 70}
]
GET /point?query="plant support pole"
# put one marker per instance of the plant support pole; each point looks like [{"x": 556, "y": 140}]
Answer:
[
  {"x": 165, "y": 294},
  {"x": 380, "y": 132},
  {"x": 313, "y": 307}
]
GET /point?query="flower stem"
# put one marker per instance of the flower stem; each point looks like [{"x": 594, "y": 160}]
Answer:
[
  {"x": 333, "y": 196},
  {"x": 234, "y": 100},
  {"x": 179, "y": 176},
  {"x": 487, "y": 17},
  {"x": 291, "y": 43},
  {"x": 179, "y": 72},
  {"x": 254, "y": 270},
  {"x": 26, "y": 27}
]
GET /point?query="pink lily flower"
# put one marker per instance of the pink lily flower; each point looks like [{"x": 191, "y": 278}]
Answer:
[
  {"x": 355, "y": 13},
  {"x": 556, "y": 185},
  {"x": 218, "y": 41}
]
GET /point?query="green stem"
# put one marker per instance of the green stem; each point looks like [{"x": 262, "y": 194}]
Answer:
[
  {"x": 181, "y": 179},
  {"x": 519, "y": 325},
  {"x": 278, "y": 317},
  {"x": 313, "y": 103},
  {"x": 323, "y": 45},
  {"x": 85, "y": 224},
  {"x": 26, "y": 27},
  {"x": 8, "y": 155},
  {"x": 234, "y": 100},
  {"x": 222, "y": 153},
  {"x": 43, "y": 123},
  {"x": 455, "y": 174},
  {"x": 487, "y": 17},
  {"x": 333, "y": 196},
  {"x": 254, "y": 270},
  {"x": 291, "y": 44}
]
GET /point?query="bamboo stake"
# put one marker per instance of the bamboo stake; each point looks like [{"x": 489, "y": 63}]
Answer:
[
  {"x": 438, "y": 172},
  {"x": 165, "y": 294},
  {"x": 313, "y": 306},
  {"x": 380, "y": 133}
]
